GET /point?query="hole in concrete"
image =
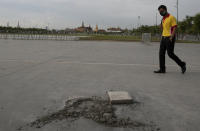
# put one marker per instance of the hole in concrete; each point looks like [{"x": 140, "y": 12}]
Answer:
[{"x": 94, "y": 108}]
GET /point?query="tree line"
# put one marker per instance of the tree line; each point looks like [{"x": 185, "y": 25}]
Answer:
[
  {"x": 189, "y": 25},
  {"x": 13, "y": 30}
]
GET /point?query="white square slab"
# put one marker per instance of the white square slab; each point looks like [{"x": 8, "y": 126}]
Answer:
[{"x": 119, "y": 97}]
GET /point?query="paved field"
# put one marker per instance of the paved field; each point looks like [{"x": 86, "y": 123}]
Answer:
[{"x": 36, "y": 77}]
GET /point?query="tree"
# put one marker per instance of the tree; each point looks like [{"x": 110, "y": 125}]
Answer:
[{"x": 197, "y": 23}]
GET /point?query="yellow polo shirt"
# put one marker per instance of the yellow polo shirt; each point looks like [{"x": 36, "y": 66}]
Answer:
[{"x": 168, "y": 23}]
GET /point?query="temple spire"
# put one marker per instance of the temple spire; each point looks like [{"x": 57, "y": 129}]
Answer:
[{"x": 83, "y": 24}]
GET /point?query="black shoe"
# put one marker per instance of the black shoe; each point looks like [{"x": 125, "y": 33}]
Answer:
[
  {"x": 183, "y": 68},
  {"x": 160, "y": 71}
]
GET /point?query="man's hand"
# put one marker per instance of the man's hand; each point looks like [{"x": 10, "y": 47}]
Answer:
[{"x": 171, "y": 37}]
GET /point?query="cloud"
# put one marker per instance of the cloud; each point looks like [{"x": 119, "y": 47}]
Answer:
[{"x": 70, "y": 13}]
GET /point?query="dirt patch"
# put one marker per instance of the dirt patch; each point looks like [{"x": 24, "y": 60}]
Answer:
[{"x": 94, "y": 108}]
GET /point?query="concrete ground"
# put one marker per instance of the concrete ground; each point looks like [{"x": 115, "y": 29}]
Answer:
[{"x": 36, "y": 77}]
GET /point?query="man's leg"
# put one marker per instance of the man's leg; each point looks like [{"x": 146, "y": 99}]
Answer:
[
  {"x": 162, "y": 52},
  {"x": 170, "y": 51}
]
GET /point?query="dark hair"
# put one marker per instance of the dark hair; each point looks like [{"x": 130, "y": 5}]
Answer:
[{"x": 163, "y": 7}]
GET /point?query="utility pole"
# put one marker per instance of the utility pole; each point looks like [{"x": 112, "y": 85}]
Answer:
[
  {"x": 138, "y": 22},
  {"x": 156, "y": 19},
  {"x": 177, "y": 17},
  {"x": 156, "y": 22}
]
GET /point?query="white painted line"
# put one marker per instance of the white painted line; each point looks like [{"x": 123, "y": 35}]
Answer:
[
  {"x": 97, "y": 63},
  {"x": 118, "y": 64}
]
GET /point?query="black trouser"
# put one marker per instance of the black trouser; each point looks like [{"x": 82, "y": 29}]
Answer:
[{"x": 167, "y": 44}]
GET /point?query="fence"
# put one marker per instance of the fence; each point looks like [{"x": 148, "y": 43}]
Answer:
[
  {"x": 146, "y": 37},
  {"x": 189, "y": 37},
  {"x": 182, "y": 37},
  {"x": 38, "y": 37}
]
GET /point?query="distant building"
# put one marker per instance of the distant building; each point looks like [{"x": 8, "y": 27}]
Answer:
[
  {"x": 8, "y": 25},
  {"x": 83, "y": 29},
  {"x": 114, "y": 30},
  {"x": 69, "y": 30},
  {"x": 101, "y": 31},
  {"x": 96, "y": 29}
]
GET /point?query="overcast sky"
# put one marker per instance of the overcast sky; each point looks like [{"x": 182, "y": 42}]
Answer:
[{"x": 106, "y": 13}]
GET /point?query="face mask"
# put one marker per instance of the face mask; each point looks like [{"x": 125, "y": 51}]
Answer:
[{"x": 163, "y": 13}]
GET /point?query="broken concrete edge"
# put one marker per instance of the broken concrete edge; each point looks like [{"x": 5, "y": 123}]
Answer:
[{"x": 122, "y": 102}]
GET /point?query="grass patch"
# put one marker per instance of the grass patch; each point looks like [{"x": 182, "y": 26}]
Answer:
[
  {"x": 112, "y": 38},
  {"x": 128, "y": 38}
]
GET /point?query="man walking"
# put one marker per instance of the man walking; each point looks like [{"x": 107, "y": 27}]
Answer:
[{"x": 169, "y": 27}]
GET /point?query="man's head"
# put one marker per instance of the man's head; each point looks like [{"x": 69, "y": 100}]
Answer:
[{"x": 163, "y": 10}]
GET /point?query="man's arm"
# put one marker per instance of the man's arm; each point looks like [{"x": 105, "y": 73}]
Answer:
[
  {"x": 161, "y": 27},
  {"x": 174, "y": 31},
  {"x": 174, "y": 28}
]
